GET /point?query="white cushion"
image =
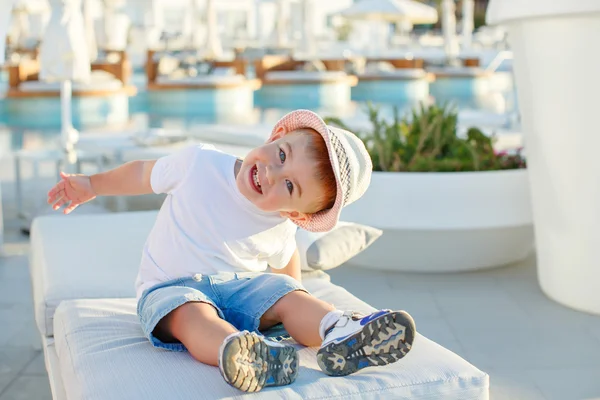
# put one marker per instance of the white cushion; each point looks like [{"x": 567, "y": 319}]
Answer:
[
  {"x": 104, "y": 355},
  {"x": 202, "y": 80},
  {"x": 328, "y": 250},
  {"x": 99, "y": 80},
  {"x": 323, "y": 76},
  {"x": 94, "y": 256},
  {"x": 459, "y": 71},
  {"x": 400, "y": 73}
]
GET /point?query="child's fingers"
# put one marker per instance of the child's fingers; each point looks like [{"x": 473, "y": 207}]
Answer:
[
  {"x": 70, "y": 208},
  {"x": 52, "y": 193},
  {"x": 63, "y": 175},
  {"x": 60, "y": 203},
  {"x": 55, "y": 197}
]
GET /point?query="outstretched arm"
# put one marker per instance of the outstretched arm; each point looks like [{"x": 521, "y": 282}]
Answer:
[{"x": 132, "y": 178}]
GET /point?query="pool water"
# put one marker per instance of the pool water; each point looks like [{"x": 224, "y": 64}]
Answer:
[{"x": 24, "y": 134}]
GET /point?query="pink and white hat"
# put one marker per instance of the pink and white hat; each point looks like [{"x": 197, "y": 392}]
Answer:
[{"x": 351, "y": 164}]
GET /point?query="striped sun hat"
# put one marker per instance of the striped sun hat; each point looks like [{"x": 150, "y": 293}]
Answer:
[{"x": 350, "y": 161}]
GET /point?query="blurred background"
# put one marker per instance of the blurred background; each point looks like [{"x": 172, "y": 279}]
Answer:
[{"x": 482, "y": 136}]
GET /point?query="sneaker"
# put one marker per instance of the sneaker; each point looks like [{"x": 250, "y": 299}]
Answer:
[
  {"x": 357, "y": 342},
  {"x": 250, "y": 362}
]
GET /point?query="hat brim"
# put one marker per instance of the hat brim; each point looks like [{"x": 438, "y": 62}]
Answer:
[{"x": 324, "y": 220}]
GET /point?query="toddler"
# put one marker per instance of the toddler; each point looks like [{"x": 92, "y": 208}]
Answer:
[{"x": 202, "y": 285}]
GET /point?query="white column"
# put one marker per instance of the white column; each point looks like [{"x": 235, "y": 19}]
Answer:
[
  {"x": 468, "y": 9},
  {"x": 449, "y": 30},
  {"x": 557, "y": 82}
]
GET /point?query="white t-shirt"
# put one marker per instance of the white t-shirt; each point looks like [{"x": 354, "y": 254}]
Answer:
[{"x": 206, "y": 225}]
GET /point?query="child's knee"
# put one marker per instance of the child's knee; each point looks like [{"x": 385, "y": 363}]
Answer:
[{"x": 173, "y": 322}]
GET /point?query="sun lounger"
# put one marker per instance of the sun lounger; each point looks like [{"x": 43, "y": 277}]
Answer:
[{"x": 83, "y": 270}]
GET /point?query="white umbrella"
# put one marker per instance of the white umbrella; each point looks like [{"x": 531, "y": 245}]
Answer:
[
  {"x": 468, "y": 9},
  {"x": 20, "y": 24},
  {"x": 449, "y": 30},
  {"x": 64, "y": 58},
  {"x": 90, "y": 31},
  {"x": 5, "y": 14},
  {"x": 391, "y": 11}
]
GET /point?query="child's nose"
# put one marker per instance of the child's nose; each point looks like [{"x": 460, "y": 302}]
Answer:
[{"x": 273, "y": 173}]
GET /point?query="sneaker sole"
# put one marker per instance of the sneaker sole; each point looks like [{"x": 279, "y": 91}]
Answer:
[
  {"x": 249, "y": 364},
  {"x": 382, "y": 341}
]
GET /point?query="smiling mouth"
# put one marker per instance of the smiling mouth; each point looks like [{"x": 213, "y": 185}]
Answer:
[{"x": 254, "y": 180}]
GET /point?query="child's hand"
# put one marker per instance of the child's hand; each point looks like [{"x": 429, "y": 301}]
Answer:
[{"x": 76, "y": 189}]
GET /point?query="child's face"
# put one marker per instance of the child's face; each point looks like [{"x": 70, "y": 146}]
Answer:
[{"x": 280, "y": 176}]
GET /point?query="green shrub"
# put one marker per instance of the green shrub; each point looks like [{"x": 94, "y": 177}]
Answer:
[{"x": 426, "y": 141}]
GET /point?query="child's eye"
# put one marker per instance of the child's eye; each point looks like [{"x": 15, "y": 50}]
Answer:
[
  {"x": 290, "y": 186},
  {"x": 282, "y": 155}
]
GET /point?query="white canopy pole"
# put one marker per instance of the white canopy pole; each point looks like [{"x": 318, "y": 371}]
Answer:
[
  {"x": 197, "y": 33},
  {"x": 153, "y": 23},
  {"x": 308, "y": 27},
  {"x": 90, "y": 32},
  {"x": 258, "y": 22},
  {"x": 468, "y": 11},
  {"x": 282, "y": 23},
  {"x": 449, "y": 30},
  {"x": 213, "y": 42},
  {"x": 64, "y": 57}
]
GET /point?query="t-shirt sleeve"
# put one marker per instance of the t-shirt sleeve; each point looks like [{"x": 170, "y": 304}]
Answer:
[
  {"x": 282, "y": 258},
  {"x": 170, "y": 171}
]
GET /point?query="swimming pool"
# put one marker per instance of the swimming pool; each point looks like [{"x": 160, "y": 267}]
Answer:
[{"x": 493, "y": 109}]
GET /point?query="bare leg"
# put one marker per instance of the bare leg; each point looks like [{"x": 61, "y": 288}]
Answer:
[
  {"x": 301, "y": 315},
  {"x": 200, "y": 329}
]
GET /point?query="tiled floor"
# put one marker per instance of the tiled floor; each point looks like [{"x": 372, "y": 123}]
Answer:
[
  {"x": 22, "y": 371},
  {"x": 499, "y": 320}
]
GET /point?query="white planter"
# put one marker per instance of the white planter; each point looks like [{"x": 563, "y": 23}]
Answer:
[
  {"x": 442, "y": 222},
  {"x": 557, "y": 82}
]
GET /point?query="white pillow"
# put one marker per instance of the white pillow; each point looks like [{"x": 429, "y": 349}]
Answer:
[{"x": 327, "y": 250}]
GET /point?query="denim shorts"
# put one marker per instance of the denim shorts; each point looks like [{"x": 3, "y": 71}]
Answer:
[{"x": 239, "y": 298}]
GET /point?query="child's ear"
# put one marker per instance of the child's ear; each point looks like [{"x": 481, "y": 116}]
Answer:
[
  {"x": 294, "y": 216},
  {"x": 278, "y": 134}
]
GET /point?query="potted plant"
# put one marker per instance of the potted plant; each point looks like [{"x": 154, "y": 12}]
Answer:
[{"x": 446, "y": 202}]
